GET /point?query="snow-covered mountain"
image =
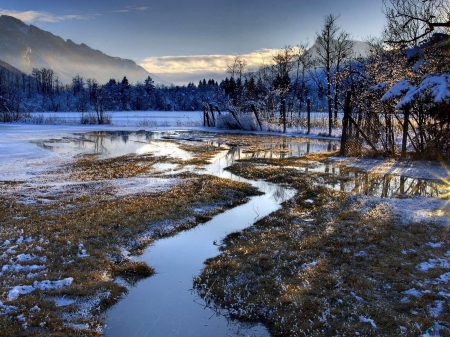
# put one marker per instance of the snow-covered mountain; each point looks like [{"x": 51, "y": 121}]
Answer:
[{"x": 26, "y": 47}]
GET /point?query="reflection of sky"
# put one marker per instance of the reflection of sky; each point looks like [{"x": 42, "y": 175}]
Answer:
[
  {"x": 115, "y": 144},
  {"x": 140, "y": 29}
]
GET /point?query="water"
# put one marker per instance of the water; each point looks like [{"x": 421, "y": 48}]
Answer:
[{"x": 164, "y": 304}]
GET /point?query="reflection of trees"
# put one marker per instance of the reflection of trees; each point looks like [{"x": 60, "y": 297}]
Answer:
[
  {"x": 386, "y": 186},
  {"x": 99, "y": 146},
  {"x": 280, "y": 193}
]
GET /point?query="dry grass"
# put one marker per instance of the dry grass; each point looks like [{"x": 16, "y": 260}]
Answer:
[
  {"x": 49, "y": 222},
  {"x": 328, "y": 267}
]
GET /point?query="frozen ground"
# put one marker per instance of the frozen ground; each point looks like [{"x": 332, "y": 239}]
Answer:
[{"x": 20, "y": 159}]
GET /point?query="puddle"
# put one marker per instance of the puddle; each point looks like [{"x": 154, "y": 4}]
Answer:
[
  {"x": 165, "y": 304},
  {"x": 109, "y": 144},
  {"x": 164, "y": 149}
]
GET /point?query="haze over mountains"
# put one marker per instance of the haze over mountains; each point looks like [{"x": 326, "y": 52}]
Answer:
[{"x": 26, "y": 47}]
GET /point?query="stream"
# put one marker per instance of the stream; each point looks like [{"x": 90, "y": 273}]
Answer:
[{"x": 164, "y": 304}]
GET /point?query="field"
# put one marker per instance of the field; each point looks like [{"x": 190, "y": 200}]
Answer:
[{"x": 352, "y": 252}]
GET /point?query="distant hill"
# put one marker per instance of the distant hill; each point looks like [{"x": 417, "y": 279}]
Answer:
[
  {"x": 360, "y": 48},
  {"x": 26, "y": 47},
  {"x": 9, "y": 68}
]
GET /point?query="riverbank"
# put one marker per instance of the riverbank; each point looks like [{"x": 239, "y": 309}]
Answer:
[
  {"x": 70, "y": 226},
  {"x": 79, "y": 205},
  {"x": 335, "y": 263}
]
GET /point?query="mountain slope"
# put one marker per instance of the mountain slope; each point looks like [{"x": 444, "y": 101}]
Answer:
[
  {"x": 360, "y": 48},
  {"x": 9, "y": 68},
  {"x": 26, "y": 47}
]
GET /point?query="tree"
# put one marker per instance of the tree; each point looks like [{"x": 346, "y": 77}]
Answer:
[
  {"x": 343, "y": 51},
  {"x": 303, "y": 62},
  {"x": 410, "y": 21},
  {"x": 283, "y": 64},
  {"x": 326, "y": 55},
  {"x": 237, "y": 68}
]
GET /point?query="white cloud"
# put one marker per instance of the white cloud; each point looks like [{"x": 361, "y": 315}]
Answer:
[
  {"x": 39, "y": 16},
  {"x": 130, "y": 8},
  {"x": 187, "y": 68},
  {"x": 197, "y": 64}
]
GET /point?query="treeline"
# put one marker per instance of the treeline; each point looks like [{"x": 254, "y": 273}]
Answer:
[
  {"x": 399, "y": 89},
  {"x": 42, "y": 91}
]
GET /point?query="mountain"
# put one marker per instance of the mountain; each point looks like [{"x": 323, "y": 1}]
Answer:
[
  {"x": 26, "y": 47},
  {"x": 9, "y": 68},
  {"x": 360, "y": 48}
]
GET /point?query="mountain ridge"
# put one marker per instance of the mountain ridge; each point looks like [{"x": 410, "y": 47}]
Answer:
[{"x": 25, "y": 47}]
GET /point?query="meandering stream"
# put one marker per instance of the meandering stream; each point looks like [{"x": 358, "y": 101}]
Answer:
[{"x": 164, "y": 304}]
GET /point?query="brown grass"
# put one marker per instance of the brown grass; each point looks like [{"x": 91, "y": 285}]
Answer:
[
  {"x": 88, "y": 212},
  {"x": 314, "y": 269}
]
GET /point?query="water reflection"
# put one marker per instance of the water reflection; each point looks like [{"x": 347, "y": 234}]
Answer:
[
  {"x": 108, "y": 144},
  {"x": 163, "y": 305},
  {"x": 388, "y": 186}
]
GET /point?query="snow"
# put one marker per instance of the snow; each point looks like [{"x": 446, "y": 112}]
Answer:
[
  {"x": 51, "y": 285},
  {"x": 445, "y": 278},
  {"x": 414, "y": 292},
  {"x": 131, "y": 118},
  {"x": 405, "y": 168},
  {"x": 17, "y": 151},
  {"x": 82, "y": 251},
  {"x": 398, "y": 89},
  {"x": 133, "y": 186},
  {"x": 19, "y": 290},
  {"x": 437, "y": 309},
  {"x": 63, "y": 301},
  {"x": 364, "y": 319},
  {"x": 6, "y": 309},
  {"x": 434, "y": 263},
  {"x": 437, "y": 86},
  {"x": 40, "y": 285}
]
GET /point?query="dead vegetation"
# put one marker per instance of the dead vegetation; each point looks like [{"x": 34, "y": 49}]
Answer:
[
  {"x": 76, "y": 223},
  {"x": 330, "y": 264}
]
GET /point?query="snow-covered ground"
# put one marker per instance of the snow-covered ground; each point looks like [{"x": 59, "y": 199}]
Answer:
[
  {"x": 125, "y": 118},
  {"x": 21, "y": 159}
]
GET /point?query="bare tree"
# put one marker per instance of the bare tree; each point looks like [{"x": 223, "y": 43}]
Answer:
[
  {"x": 303, "y": 61},
  {"x": 343, "y": 52},
  {"x": 283, "y": 64},
  {"x": 332, "y": 46},
  {"x": 410, "y": 21},
  {"x": 237, "y": 68}
]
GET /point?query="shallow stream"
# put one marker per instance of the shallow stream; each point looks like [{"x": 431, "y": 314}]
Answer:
[{"x": 165, "y": 304}]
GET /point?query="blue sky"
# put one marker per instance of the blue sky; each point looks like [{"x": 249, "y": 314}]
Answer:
[{"x": 184, "y": 40}]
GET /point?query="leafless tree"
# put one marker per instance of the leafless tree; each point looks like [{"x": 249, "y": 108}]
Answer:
[
  {"x": 332, "y": 47},
  {"x": 237, "y": 68},
  {"x": 410, "y": 21},
  {"x": 303, "y": 61},
  {"x": 343, "y": 52}
]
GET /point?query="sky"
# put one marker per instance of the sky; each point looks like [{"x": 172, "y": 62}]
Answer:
[{"x": 188, "y": 40}]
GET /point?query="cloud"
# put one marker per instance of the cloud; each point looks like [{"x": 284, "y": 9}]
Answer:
[
  {"x": 204, "y": 63},
  {"x": 130, "y": 8},
  {"x": 39, "y": 16},
  {"x": 184, "y": 69}
]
